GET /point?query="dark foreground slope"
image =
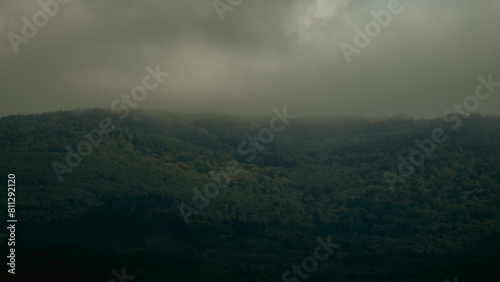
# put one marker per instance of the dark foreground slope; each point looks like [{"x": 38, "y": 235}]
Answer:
[{"x": 118, "y": 206}]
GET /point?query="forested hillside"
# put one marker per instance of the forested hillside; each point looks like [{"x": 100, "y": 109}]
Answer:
[{"x": 118, "y": 206}]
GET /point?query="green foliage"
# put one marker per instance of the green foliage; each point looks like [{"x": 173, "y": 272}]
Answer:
[{"x": 318, "y": 177}]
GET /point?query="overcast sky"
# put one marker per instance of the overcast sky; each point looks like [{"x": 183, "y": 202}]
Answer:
[{"x": 264, "y": 54}]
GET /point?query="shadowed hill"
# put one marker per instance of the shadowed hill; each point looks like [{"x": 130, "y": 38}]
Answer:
[{"x": 119, "y": 205}]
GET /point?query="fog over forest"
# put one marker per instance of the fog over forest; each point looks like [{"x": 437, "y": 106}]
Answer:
[{"x": 250, "y": 140}]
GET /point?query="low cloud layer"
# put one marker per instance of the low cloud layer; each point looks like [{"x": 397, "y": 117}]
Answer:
[{"x": 264, "y": 54}]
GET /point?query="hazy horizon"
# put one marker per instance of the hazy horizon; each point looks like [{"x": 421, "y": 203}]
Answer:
[{"x": 374, "y": 118}]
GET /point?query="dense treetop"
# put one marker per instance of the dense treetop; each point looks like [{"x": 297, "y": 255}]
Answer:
[{"x": 318, "y": 177}]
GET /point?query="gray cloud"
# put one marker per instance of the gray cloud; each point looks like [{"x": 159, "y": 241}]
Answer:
[{"x": 263, "y": 55}]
